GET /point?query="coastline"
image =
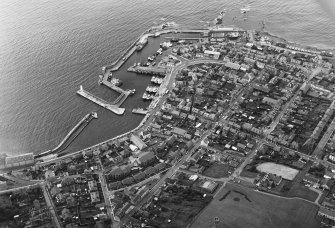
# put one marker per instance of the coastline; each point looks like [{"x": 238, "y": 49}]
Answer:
[
  {"x": 295, "y": 43},
  {"x": 155, "y": 31}
]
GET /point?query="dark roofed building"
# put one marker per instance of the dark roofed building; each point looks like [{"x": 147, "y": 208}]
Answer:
[
  {"x": 125, "y": 153},
  {"x": 139, "y": 177},
  {"x": 116, "y": 173},
  {"x": 174, "y": 155},
  {"x": 115, "y": 185},
  {"x": 160, "y": 166},
  {"x": 146, "y": 158},
  {"x": 171, "y": 140},
  {"x": 261, "y": 88},
  {"x": 128, "y": 181},
  {"x": 149, "y": 171},
  {"x": 179, "y": 131},
  {"x": 270, "y": 101},
  {"x": 126, "y": 169}
]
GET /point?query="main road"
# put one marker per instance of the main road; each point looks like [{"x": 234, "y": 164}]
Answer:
[
  {"x": 274, "y": 123},
  {"x": 49, "y": 202}
]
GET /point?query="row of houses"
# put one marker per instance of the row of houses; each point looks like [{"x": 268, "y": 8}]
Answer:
[{"x": 148, "y": 172}]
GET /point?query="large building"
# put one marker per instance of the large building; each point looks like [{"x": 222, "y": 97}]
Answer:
[
  {"x": 137, "y": 141},
  {"x": 234, "y": 66},
  {"x": 212, "y": 54},
  {"x": 18, "y": 160}
]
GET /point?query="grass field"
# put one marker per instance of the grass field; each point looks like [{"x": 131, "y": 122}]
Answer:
[
  {"x": 218, "y": 170},
  {"x": 179, "y": 205},
  {"x": 280, "y": 170},
  {"x": 301, "y": 191},
  {"x": 253, "y": 209},
  {"x": 248, "y": 174}
]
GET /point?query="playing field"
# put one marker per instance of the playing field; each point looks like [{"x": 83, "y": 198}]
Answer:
[
  {"x": 244, "y": 207},
  {"x": 280, "y": 170}
]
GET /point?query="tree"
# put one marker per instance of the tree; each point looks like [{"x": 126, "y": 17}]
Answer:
[{"x": 68, "y": 181}]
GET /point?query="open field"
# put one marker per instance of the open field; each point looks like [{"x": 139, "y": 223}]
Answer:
[
  {"x": 178, "y": 205},
  {"x": 244, "y": 207},
  {"x": 218, "y": 170},
  {"x": 280, "y": 170}
]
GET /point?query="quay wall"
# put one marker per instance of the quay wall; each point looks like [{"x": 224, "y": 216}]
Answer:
[
  {"x": 114, "y": 108},
  {"x": 148, "y": 70},
  {"x": 110, "y": 85}
]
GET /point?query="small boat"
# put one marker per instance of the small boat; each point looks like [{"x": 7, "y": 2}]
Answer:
[
  {"x": 110, "y": 76},
  {"x": 174, "y": 39},
  {"x": 157, "y": 80},
  {"x": 152, "y": 89},
  {"x": 100, "y": 79},
  {"x": 146, "y": 97},
  {"x": 116, "y": 82},
  {"x": 131, "y": 91},
  {"x": 139, "y": 47},
  {"x": 245, "y": 9},
  {"x": 140, "y": 111},
  {"x": 94, "y": 115},
  {"x": 218, "y": 20}
]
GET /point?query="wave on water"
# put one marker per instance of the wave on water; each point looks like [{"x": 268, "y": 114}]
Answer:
[{"x": 47, "y": 51}]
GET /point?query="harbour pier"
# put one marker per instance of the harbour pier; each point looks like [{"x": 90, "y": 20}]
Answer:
[
  {"x": 111, "y": 107},
  {"x": 73, "y": 133},
  {"x": 140, "y": 42},
  {"x": 118, "y": 63}
]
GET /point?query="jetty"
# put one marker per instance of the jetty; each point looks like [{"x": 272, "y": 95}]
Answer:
[
  {"x": 140, "y": 111},
  {"x": 111, "y": 107},
  {"x": 73, "y": 133}
]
